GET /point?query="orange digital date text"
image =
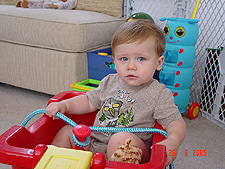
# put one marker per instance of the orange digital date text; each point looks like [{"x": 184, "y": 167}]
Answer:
[{"x": 196, "y": 152}]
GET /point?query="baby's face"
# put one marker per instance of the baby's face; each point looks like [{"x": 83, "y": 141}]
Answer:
[{"x": 136, "y": 63}]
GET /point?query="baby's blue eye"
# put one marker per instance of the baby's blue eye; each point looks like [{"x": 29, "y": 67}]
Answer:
[
  {"x": 124, "y": 59},
  {"x": 141, "y": 59}
]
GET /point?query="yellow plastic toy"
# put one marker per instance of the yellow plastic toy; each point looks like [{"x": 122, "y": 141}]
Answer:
[
  {"x": 86, "y": 85},
  {"x": 102, "y": 53},
  {"x": 63, "y": 158}
]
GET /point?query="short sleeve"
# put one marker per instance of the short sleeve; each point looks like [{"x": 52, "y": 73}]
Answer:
[
  {"x": 94, "y": 95},
  {"x": 166, "y": 111}
]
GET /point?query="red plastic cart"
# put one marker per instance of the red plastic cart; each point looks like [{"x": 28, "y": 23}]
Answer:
[{"x": 23, "y": 147}]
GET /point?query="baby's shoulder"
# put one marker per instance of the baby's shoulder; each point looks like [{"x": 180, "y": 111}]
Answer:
[
  {"x": 156, "y": 85},
  {"x": 110, "y": 78},
  {"x": 158, "y": 89}
]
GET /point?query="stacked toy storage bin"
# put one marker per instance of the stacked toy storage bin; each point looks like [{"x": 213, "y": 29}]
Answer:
[
  {"x": 176, "y": 73},
  {"x": 100, "y": 63}
]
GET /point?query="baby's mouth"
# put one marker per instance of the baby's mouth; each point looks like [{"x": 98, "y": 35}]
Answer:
[{"x": 131, "y": 77}]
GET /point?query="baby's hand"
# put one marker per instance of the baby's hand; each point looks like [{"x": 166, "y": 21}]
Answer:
[
  {"x": 55, "y": 107},
  {"x": 171, "y": 150}
]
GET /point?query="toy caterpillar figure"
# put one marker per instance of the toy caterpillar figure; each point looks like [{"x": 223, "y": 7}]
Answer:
[
  {"x": 57, "y": 4},
  {"x": 176, "y": 73}
]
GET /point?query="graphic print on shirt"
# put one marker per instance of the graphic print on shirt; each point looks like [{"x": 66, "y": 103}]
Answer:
[{"x": 112, "y": 116}]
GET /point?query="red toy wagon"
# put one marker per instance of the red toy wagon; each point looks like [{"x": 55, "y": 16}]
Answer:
[{"x": 23, "y": 147}]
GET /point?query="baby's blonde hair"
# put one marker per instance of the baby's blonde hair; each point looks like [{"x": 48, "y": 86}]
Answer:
[{"x": 139, "y": 30}]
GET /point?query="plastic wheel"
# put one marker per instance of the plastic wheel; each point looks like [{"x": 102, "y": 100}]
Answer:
[{"x": 194, "y": 110}]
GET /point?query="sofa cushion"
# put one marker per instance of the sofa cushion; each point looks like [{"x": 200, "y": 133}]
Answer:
[
  {"x": 65, "y": 30},
  {"x": 114, "y": 8}
]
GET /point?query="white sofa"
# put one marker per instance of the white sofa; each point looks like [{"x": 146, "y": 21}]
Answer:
[{"x": 46, "y": 49}]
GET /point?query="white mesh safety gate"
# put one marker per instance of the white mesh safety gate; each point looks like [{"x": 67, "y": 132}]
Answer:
[{"x": 208, "y": 82}]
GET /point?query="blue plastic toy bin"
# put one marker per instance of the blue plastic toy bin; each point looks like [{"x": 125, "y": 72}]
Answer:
[{"x": 97, "y": 64}]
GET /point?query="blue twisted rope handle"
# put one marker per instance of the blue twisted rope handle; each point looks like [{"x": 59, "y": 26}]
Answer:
[{"x": 95, "y": 129}]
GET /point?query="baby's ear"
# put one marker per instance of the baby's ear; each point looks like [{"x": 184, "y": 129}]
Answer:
[{"x": 160, "y": 62}]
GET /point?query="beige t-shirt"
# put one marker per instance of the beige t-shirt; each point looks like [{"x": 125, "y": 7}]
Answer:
[{"x": 126, "y": 106}]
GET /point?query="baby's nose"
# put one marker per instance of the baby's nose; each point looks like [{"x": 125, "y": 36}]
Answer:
[{"x": 131, "y": 66}]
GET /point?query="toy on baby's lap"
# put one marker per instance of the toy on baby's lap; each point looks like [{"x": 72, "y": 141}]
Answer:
[
  {"x": 127, "y": 153},
  {"x": 57, "y": 4}
]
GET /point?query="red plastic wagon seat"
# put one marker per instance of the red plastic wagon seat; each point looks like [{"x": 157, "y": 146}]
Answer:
[{"x": 22, "y": 148}]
